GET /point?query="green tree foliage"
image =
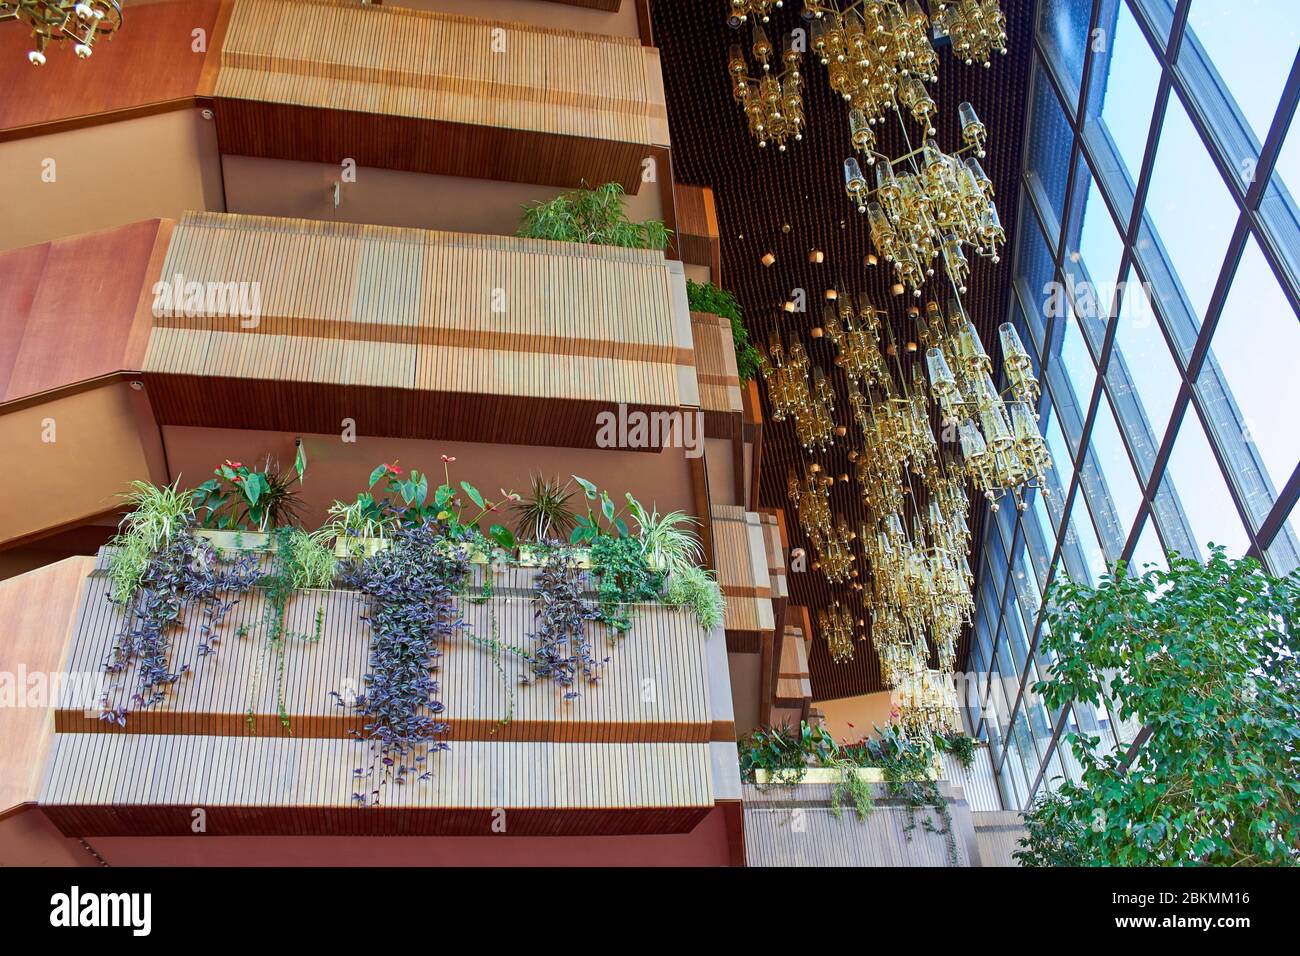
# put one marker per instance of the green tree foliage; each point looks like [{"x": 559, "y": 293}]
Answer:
[
  {"x": 596, "y": 216},
  {"x": 1204, "y": 657}
]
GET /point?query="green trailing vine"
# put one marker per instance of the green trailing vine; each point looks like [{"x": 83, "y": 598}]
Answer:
[
  {"x": 850, "y": 788},
  {"x": 297, "y": 562},
  {"x": 624, "y": 579}
]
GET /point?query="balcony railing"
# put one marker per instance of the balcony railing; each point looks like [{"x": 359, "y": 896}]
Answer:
[
  {"x": 267, "y": 748},
  {"x": 417, "y": 334}
]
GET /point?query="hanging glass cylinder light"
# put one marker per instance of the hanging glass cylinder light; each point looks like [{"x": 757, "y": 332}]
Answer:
[
  {"x": 977, "y": 28},
  {"x": 837, "y": 628},
  {"x": 742, "y": 10}
]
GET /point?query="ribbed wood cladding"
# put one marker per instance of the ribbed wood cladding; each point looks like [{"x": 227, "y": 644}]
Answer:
[
  {"x": 610, "y": 6},
  {"x": 697, "y": 228},
  {"x": 147, "y": 785},
  {"x": 396, "y": 327},
  {"x": 887, "y": 837},
  {"x": 718, "y": 378},
  {"x": 793, "y": 687},
  {"x": 742, "y": 571},
  {"x": 653, "y": 688},
  {"x": 431, "y": 92},
  {"x": 630, "y": 754}
]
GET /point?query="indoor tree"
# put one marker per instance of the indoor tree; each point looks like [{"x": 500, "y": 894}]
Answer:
[{"x": 1204, "y": 657}]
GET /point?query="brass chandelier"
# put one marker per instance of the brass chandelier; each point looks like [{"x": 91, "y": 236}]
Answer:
[
  {"x": 977, "y": 29},
  {"x": 837, "y": 627},
  {"x": 942, "y": 204},
  {"x": 811, "y": 406},
  {"x": 832, "y": 541},
  {"x": 742, "y": 10},
  {"x": 773, "y": 102},
  {"x": 79, "y": 23},
  {"x": 998, "y": 431}
]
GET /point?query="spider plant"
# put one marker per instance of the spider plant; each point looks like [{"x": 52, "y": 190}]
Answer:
[
  {"x": 363, "y": 518},
  {"x": 667, "y": 540},
  {"x": 155, "y": 514},
  {"x": 543, "y": 513},
  {"x": 697, "y": 589}
]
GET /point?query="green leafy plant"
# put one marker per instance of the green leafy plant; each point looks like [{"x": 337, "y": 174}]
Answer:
[
  {"x": 624, "y": 577},
  {"x": 1203, "y": 656},
  {"x": 297, "y": 562},
  {"x": 408, "y": 495},
  {"x": 850, "y": 788},
  {"x": 707, "y": 297},
  {"x": 543, "y": 513},
  {"x": 1052, "y": 836},
  {"x": 603, "y": 520},
  {"x": 594, "y": 216},
  {"x": 697, "y": 589},
  {"x": 959, "y": 745},
  {"x": 250, "y": 499},
  {"x": 154, "y": 514},
  {"x": 668, "y": 542},
  {"x": 786, "y": 753}
]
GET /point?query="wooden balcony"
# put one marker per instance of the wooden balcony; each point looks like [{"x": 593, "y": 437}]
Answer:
[
  {"x": 617, "y": 760},
  {"x": 418, "y": 334},
  {"x": 389, "y": 87}
]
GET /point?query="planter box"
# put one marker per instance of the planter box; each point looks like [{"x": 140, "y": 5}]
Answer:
[
  {"x": 533, "y": 556},
  {"x": 359, "y": 547},
  {"x": 826, "y": 775},
  {"x": 236, "y": 540}
]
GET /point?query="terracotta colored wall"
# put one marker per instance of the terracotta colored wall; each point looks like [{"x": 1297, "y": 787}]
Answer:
[
  {"x": 849, "y": 719},
  {"x": 340, "y": 470},
  {"x": 98, "y": 450},
  {"x": 386, "y": 197},
  {"x": 27, "y": 838},
  {"x": 108, "y": 175},
  {"x": 148, "y": 61}
]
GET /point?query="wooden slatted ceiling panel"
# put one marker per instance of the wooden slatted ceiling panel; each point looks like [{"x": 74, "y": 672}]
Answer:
[
  {"x": 105, "y": 770},
  {"x": 666, "y": 648},
  {"x": 742, "y": 569},
  {"x": 409, "y": 308},
  {"x": 402, "y": 62},
  {"x": 760, "y": 191}
]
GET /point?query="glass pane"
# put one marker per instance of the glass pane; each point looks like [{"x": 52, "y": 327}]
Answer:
[
  {"x": 1194, "y": 214},
  {"x": 1286, "y": 172},
  {"x": 1148, "y": 550},
  {"x": 1159, "y": 15},
  {"x": 1255, "y": 350},
  {"x": 1121, "y": 98},
  {"x": 1085, "y": 562},
  {"x": 1063, "y": 25},
  {"x": 1093, "y": 247},
  {"x": 1202, "y": 493},
  {"x": 1278, "y": 208},
  {"x": 1284, "y": 553},
  {"x": 1034, "y": 271},
  {"x": 1050, "y": 142},
  {"x": 1251, "y": 44},
  {"x": 1141, "y": 365},
  {"x": 1113, "y": 495},
  {"x": 1061, "y": 473}
]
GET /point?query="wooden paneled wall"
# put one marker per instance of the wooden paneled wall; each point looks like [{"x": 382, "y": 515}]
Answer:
[
  {"x": 697, "y": 228},
  {"x": 419, "y": 334},
  {"x": 741, "y": 556}
]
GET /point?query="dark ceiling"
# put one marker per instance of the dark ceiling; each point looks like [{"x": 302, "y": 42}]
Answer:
[{"x": 760, "y": 191}]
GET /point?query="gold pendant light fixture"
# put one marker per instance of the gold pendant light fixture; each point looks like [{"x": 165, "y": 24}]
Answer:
[
  {"x": 742, "y": 10},
  {"x": 837, "y": 627},
  {"x": 977, "y": 29},
  {"x": 832, "y": 541},
  {"x": 80, "y": 23},
  {"x": 1000, "y": 440},
  {"x": 772, "y": 102},
  {"x": 811, "y": 405}
]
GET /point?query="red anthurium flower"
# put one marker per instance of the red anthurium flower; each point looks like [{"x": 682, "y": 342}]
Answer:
[
  {"x": 448, "y": 458},
  {"x": 394, "y": 469}
]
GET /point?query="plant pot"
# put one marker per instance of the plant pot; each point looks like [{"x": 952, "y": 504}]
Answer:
[
  {"x": 826, "y": 775},
  {"x": 534, "y": 556},
  {"x": 359, "y": 547},
  {"x": 224, "y": 540}
]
